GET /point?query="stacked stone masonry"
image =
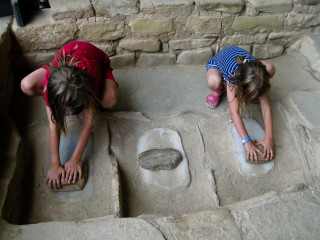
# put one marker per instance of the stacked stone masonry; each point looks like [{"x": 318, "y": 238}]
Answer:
[{"x": 162, "y": 32}]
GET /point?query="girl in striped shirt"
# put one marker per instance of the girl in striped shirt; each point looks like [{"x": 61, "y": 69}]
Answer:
[{"x": 246, "y": 79}]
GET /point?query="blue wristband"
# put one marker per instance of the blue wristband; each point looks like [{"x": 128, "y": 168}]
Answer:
[{"x": 246, "y": 139}]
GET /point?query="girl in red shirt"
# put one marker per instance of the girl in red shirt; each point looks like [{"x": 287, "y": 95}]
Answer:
[{"x": 79, "y": 78}]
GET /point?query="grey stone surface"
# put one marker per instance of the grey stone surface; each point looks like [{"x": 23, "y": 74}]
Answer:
[
  {"x": 37, "y": 60},
  {"x": 217, "y": 224},
  {"x": 123, "y": 60},
  {"x": 267, "y": 51},
  {"x": 198, "y": 24},
  {"x": 310, "y": 50},
  {"x": 61, "y": 9},
  {"x": 103, "y": 228},
  {"x": 102, "y": 31},
  {"x": 273, "y": 6},
  {"x": 160, "y": 159},
  {"x": 190, "y": 44},
  {"x": 197, "y": 56},
  {"x": 113, "y": 8},
  {"x": 304, "y": 106},
  {"x": 302, "y": 20},
  {"x": 170, "y": 107},
  {"x": 229, "y": 6},
  {"x": 140, "y": 45},
  {"x": 150, "y": 27},
  {"x": 156, "y": 59},
  {"x": 291, "y": 216},
  {"x": 53, "y": 36},
  {"x": 244, "y": 39},
  {"x": 245, "y": 22},
  {"x": 150, "y": 4}
]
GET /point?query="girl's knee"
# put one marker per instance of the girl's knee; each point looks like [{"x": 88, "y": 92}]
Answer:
[
  {"x": 271, "y": 69},
  {"x": 214, "y": 79}
]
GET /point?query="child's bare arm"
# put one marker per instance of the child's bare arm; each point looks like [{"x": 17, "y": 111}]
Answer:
[
  {"x": 268, "y": 123},
  {"x": 31, "y": 85},
  {"x": 73, "y": 166},
  {"x": 56, "y": 171},
  {"x": 251, "y": 149}
]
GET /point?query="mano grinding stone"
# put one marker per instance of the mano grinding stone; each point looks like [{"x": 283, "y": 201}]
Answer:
[
  {"x": 261, "y": 160},
  {"x": 78, "y": 185}
]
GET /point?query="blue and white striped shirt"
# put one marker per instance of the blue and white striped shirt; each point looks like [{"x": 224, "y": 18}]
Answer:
[{"x": 225, "y": 63}]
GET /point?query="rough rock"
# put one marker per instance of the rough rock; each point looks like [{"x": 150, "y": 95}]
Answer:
[
  {"x": 156, "y": 59},
  {"x": 150, "y": 27},
  {"x": 140, "y": 45},
  {"x": 102, "y": 31},
  {"x": 267, "y": 51},
  {"x": 113, "y": 8},
  {"x": 310, "y": 50},
  {"x": 78, "y": 185},
  {"x": 244, "y": 39},
  {"x": 75, "y": 9},
  {"x": 190, "y": 44},
  {"x": 198, "y": 24},
  {"x": 123, "y": 60},
  {"x": 197, "y": 56},
  {"x": 160, "y": 159},
  {"x": 246, "y": 22},
  {"x": 229, "y": 6},
  {"x": 272, "y": 6}
]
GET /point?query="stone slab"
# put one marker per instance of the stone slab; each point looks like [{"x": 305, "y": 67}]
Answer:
[
  {"x": 311, "y": 52},
  {"x": 303, "y": 107},
  {"x": 100, "y": 228},
  {"x": 273, "y": 6},
  {"x": 160, "y": 159},
  {"x": 290, "y": 216},
  {"x": 246, "y": 22},
  {"x": 255, "y": 131},
  {"x": 229, "y": 6},
  {"x": 112, "y": 8},
  {"x": 196, "y": 56},
  {"x": 78, "y": 185},
  {"x": 164, "y": 138},
  {"x": 217, "y": 224},
  {"x": 74, "y": 9}
]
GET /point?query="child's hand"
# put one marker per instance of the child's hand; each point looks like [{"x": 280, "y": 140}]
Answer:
[
  {"x": 73, "y": 169},
  {"x": 55, "y": 173},
  {"x": 268, "y": 151},
  {"x": 252, "y": 151}
]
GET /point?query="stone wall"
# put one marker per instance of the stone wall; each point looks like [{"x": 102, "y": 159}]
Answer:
[
  {"x": 164, "y": 32},
  {"x": 6, "y": 77}
]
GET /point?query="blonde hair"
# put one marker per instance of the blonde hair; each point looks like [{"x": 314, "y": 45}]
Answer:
[
  {"x": 251, "y": 80},
  {"x": 68, "y": 87}
]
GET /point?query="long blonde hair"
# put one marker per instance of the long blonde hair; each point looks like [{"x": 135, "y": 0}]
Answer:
[
  {"x": 68, "y": 87},
  {"x": 251, "y": 80}
]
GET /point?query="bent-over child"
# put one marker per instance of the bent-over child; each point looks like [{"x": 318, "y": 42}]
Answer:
[
  {"x": 247, "y": 79},
  {"x": 78, "y": 79}
]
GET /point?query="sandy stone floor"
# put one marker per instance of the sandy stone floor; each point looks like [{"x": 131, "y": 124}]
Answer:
[{"x": 172, "y": 98}]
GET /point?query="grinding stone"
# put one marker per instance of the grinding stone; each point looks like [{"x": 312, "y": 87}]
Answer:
[
  {"x": 78, "y": 185},
  {"x": 261, "y": 160},
  {"x": 160, "y": 159}
]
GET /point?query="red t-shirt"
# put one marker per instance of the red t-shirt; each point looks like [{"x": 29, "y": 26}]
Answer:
[{"x": 94, "y": 61}]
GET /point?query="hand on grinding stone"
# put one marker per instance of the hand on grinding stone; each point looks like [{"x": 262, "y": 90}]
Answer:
[
  {"x": 73, "y": 169},
  {"x": 268, "y": 151},
  {"x": 252, "y": 151},
  {"x": 54, "y": 176}
]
